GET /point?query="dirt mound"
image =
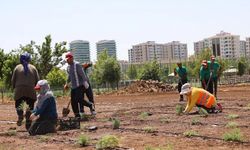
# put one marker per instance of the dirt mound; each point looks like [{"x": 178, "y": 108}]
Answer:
[{"x": 146, "y": 86}]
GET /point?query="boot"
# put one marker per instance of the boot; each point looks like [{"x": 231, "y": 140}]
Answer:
[
  {"x": 92, "y": 109},
  {"x": 20, "y": 117}
]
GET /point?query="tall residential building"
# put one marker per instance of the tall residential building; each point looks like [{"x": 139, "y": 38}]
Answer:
[
  {"x": 248, "y": 47},
  {"x": 242, "y": 48},
  {"x": 80, "y": 50},
  {"x": 164, "y": 53},
  {"x": 224, "y": 45},
  {"x": 108, "y": 45}
]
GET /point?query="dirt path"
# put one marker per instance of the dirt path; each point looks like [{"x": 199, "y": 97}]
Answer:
[{"x": 137, "y": 131}]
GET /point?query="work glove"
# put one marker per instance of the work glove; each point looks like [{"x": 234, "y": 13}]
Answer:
[{"x": 85, "y": 84}]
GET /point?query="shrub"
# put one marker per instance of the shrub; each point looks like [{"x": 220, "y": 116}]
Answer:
[
  {"x": 190, "y": 133},
  {"x": 232, "y": 116},
  {"x": 234, "y": 135},
  {"x": 116, "y": 123},
  {"x": 179, "y": 109},
  {"x": 232, "y": 125},
  {"x": 107, "y": 142},
  {"x": 83, "y": 140}
]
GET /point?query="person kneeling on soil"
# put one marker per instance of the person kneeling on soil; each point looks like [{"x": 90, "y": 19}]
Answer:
[
  {"x": 201, "y": 98},
  {"x": 44, "y": 116}
]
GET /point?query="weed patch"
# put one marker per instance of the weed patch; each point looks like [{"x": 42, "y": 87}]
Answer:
[
  {"x": 83, "y": 140},
  {"x": 234, "y": 135},
  {"x": 107, "y": 142}
]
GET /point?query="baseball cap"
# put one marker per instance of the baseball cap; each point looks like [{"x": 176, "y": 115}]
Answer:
[
  {"x": 69, "y": 55},
  {"x": 41, "y": 83},
  {"x": 185, "y": 88}
]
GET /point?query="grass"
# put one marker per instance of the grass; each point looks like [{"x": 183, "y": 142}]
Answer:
[
  {"x": 149, "y": 129},
  {"x": 232, "y": 125},
  {"x": 190, "y": 133},
  {"x": 232, "y": 116},
  {"x": 143, "y": 115},
  {"x": 116, "y": 123},
  {"x": 179, "y": 109},
  {"x": 83, "y": 140},
  {"x": 234, "y": 135},
  {"x": 195, "y": 121},
  {"x": 107, "y": 142},
  {"x": 164, "y": 120}
]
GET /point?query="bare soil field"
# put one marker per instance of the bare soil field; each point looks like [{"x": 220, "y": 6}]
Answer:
[{"x": 163, "y": 128}]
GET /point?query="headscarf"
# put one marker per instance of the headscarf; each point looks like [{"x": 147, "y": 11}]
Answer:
[{"x": 24, "y": 60}]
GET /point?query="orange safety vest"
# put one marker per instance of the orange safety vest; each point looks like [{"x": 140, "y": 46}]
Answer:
[{"x": 205, "y": 100}]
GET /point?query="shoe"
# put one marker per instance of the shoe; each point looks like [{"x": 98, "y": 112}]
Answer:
[
  {"x": 219, "y": 107},
  {"x": 92, "y": 109},
  {"x": 19, "y": 121}
]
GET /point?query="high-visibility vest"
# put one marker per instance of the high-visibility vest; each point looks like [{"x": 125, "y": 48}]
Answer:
[{"x": 205, "y": 100}]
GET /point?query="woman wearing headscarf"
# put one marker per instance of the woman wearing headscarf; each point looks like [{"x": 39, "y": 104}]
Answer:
[
  {"x": 24, "y": 78},
  {"x": 44, "y": 116}
]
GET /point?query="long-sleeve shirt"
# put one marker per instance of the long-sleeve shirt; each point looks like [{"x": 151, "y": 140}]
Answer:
[
  {"x": 182, "y": 72},
  {"x": 193, "y": 98},
  {"x": 204, "y": 73},
  {"x": 76, "y": 75},
  {"x": 47, "y": 110},
  {"x": 214, "y": 68}
]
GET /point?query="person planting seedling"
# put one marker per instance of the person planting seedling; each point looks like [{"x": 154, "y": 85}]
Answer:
[{"x": 201, "y": 98}]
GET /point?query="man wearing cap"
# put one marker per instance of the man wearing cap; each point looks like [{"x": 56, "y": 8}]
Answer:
[
  {"x": 214, "y": 69},
  {"x": 206, "y": 77},
  {"x": 181, "y": 71},
  {"x": 44, "y": 116},
  {"x": 24, "y": 78},
  {"x": 79, "y": 84},
  {"x": 201, "y": 98}
]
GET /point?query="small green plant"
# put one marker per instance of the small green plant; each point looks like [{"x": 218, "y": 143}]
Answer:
[
  {"x": 164, "y": 120},
  {"x": 23, "y": 106},
  {"x": 234, "y": 135},
  {"x": 83, "y": 140},
  {"x": 115, "y": 123},
  {"x": 11, "y": 133},
  {"x": 44, "y": 138},
  {"x": 149, "y": 129},
  {"x": 195, "y": 121},
  {"x": 203, "y": 112},
  {"x": 107, "y": 142},
  {"x": 190, "y": 133},
  {"x": 179, "y": 109},
  {"x": 143, "y": 115},
  {"x": 103, "y": 119},
  {"x": 232, "y": 116},
  {"x": 232, "y": 125}
]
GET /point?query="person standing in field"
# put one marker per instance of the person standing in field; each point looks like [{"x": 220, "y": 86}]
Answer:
[
  {"x": 214, "y": 69},
  {"x": 206, "y": 77},
  {"x": 181, "y": 71},
  {"x": 24, "y": 78}
]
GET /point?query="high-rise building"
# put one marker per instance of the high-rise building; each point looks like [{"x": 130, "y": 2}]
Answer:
[
  {"x": 224, "y": 45},
  {"x": 80, "y": 50},
  {"x": 108, "y": 45},
  {"x": 164, "y": 53},
  {"x": 248, "y": 47},
  {"x": 242, "y": 48}
]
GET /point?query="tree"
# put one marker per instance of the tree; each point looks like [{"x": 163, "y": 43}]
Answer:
[
  {"x": 132, "y": 72},
  {"x": 151, "y": 71},
  {"x": 56, "y": 77},
  {"x": 2, "y": 61},
  {"x": 241, "y": 66}
]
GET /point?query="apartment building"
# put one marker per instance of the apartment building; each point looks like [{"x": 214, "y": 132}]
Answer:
[
  {"x": 109, "y": 45},
  {"x": 248, "y": 47},
  {"x": 80, "y": 50}
]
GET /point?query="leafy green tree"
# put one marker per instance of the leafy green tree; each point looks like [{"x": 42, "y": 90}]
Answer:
[
  {"x": 241, "y": 66},
  {"x": 57, "y": 77},
  {"x": 132, "y": 72},
  {"x": 151, "y": 70},
  {"x": 2, "y": 61}
]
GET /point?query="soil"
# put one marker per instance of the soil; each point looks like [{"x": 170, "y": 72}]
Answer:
[{"x": 162, "y": 128}]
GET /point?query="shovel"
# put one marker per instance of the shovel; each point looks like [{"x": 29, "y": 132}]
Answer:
[{"x": 65, "y": 111}]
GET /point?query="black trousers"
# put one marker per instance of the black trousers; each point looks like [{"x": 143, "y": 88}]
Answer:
[
  {"x": 180, "y": 83},
  {"x": 215, "y": 83},
  {"x": 43, "y": 126},
  {"x": 209, "y": 86},
  {"x": 30, "y": 102},
  {"x": 89, "y": 94},
  {"x": 77, "y": 100}
]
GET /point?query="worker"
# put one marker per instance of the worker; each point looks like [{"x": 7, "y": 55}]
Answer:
[
  {"x": 214, "y": 69},
  {"x": 181, "y": 71},
  {"x": 206, "y": 77},
  {"x": 201, "y": 98}
]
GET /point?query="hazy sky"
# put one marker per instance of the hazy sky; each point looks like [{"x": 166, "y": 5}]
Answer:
[{"x": 128, "y": 22}]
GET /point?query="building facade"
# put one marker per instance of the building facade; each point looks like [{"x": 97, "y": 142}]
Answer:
[
  {"x": 242, "y": 48},
  {"x": 248, "y": 47},
  {"x": 109, "y": 45},
  {"x": 80, "y": 50}
]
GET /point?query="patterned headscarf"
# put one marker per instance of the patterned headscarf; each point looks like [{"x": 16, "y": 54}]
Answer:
[{"x": 24, "y": 60}]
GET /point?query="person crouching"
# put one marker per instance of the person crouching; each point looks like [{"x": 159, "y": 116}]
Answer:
[
  {"x": 44, "y": 116},
  {"x": 201, "y": 98}
]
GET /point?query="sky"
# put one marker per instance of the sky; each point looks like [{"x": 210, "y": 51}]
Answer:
[{"x": 128, "y": 22}]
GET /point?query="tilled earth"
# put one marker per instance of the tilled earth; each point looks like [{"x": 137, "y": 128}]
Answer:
[{"x": 162, "y": 128}]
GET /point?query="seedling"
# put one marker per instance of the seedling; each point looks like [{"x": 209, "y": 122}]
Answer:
[
  {"x": 107, "y": 142},
  {"x": 116, "y": 123},
  {"x": 179, "y": 109},
  {"x": 190, "y": 133},
  {"x": 203, "y": 112},
  {"x": 44, "y": 138},
  {"x": 232, "y": 125},
  {"x": 195, "y": 121},
  {"x": 234, "y": 135},
  {"x": 143, "y": 115},
  {"x": 232, "y": 116},
  {"x": 11, "y": 133},
  {"x": 149, "y": 129},
  {"x": 164, "y": 120},
  {"x": 83, "y": 140}
]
